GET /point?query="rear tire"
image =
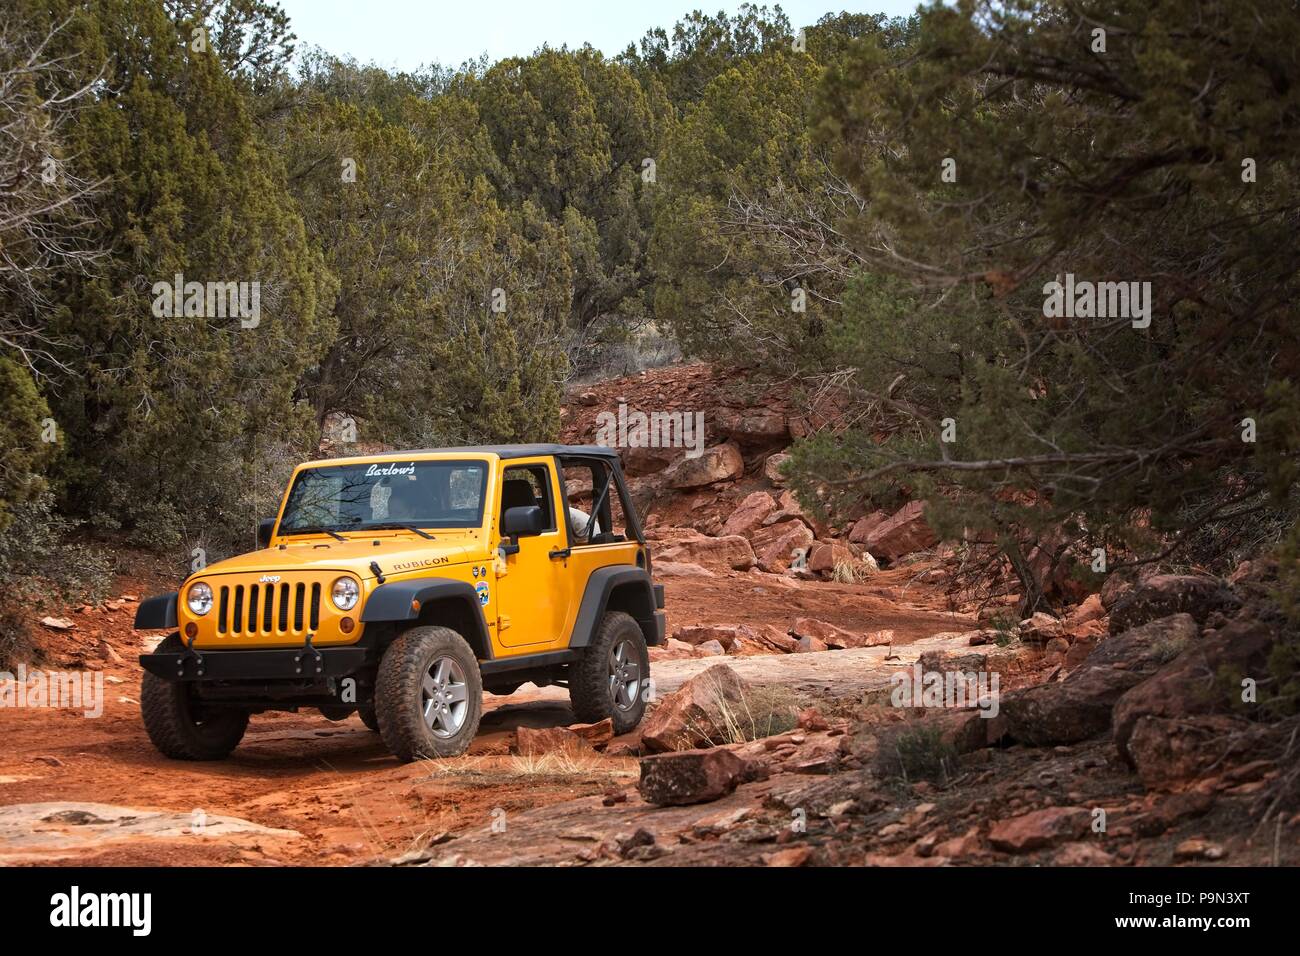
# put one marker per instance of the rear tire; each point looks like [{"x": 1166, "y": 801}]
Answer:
[
  {"x": 183, "y": 729},
  {"x": 610, "y": 679},
  {"x": 429, "y": 694}
]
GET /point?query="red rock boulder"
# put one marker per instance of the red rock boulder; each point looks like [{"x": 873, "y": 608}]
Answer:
[
  {"x": 749, "y": 514},
  {"x": 837, "y": 638},
  {"x": 716, "y": 554},
  {"x": 902, "y": 533},
  {"x": 775, "y": 546},
  {"x": 772, "y": 467},
  {"x": 1184, "y": 686},
  {"x": 719, "y": 463},
  {"x": 863, "y": 527},
  {"x": 536, "y": 742},
  {"x": 1158, "y": 596},
  {"x": 697, "y": 714},
  {"x": 755, "y": 427},
  {"x": 825, "y": 556},
  {"x": 693, "y": 776},
  {"x": 1040, "y": 828}
]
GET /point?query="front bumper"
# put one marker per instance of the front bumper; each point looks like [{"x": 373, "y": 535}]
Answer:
[{"x": 294, "y": 663}]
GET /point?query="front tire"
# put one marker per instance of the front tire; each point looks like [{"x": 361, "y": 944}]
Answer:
[
  {"x": 609, "y": 680},
  {"x": 429, "y": 694},
  {"x": 181, "y": 728}
]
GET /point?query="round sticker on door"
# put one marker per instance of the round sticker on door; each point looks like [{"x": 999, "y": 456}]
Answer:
[{"x": 482, "y": 589}]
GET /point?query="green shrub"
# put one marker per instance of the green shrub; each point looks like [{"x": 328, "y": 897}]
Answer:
[
  {"x": 42, "y": 565},
  {"x": 920, "y": 754}
]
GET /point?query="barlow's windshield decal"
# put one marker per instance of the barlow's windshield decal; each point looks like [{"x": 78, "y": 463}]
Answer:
[{"x": 385, "y": 470}]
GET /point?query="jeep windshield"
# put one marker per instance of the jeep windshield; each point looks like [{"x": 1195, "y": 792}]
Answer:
[{"x": 386, "y": 495}]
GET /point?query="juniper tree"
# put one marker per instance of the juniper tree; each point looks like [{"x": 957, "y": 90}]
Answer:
[
  {"x": 1017, "y": 145},
  {"x": 748, "y": 256},
  {"x": 438, "y": 284},
  {"x": 170, "y": 418},
  {"x": 44, "y": 220},
  {"x": 573, "y": 132}
]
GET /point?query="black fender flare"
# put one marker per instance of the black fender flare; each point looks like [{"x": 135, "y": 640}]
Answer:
[
  {"x": 636, "y": 596},
  {"x": 392, "y": 603},
  {"x": 156, "y": 613}
]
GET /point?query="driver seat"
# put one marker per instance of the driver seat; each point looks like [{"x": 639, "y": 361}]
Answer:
[{"x": 516, "y": 493}]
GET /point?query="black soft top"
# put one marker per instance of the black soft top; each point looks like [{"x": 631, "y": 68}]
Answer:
[{"x": 510, "y": 451}]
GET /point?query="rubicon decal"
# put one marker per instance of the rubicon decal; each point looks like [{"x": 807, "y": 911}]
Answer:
[{"x": 425, "y": 563}]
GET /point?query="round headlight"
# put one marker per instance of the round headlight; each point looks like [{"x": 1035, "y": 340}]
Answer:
[
  {"x": 345, "y": 594},
  {"x": 199, "y": 599}
]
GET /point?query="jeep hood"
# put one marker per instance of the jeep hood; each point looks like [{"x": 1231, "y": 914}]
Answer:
[{"x": 395, "y": 553}]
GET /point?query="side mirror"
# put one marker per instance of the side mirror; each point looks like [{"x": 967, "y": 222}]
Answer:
[
  {"x": 522, "y": 521},
  {"x": 264, "y": 529}
]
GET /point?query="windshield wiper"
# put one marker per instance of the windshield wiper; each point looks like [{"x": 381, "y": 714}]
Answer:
[
  {"x": 397, "y": 525},
  {"x": 317, "y": 529}
]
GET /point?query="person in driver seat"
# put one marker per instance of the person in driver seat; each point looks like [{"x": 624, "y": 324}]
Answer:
[
  {"x": 404, "y": 502},
  {"x": 578, "y": 525}
]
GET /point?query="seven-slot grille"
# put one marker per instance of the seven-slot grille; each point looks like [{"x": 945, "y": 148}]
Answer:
[{"x": 272, "y": 609}]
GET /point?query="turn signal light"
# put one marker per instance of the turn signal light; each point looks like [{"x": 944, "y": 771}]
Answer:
[
  {"x": 191, "y": 629},
  {"x": 346, "y": 625}
]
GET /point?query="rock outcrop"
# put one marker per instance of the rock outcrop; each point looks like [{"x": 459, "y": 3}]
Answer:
[
  {"x": 1163, "y": 594},
  {"x": 1189, "y": 685},
  {"x": 1080, "y": 706}
]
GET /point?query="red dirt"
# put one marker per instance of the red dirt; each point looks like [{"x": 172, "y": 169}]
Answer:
[{"x": 334, "y": 782}]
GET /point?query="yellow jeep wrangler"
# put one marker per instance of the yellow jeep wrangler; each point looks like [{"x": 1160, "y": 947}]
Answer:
[{"x": 400, "y": 587}]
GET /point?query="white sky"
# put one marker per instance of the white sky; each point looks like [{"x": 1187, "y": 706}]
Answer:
[{"x": 406, "y": 34}]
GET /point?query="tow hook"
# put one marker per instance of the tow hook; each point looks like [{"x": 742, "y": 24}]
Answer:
[
  {"x": 297, "y": 658},
  {"x": 190, "y": 652}
]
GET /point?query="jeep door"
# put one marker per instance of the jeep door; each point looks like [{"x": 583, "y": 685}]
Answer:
[{"x": 534, "y": 594}]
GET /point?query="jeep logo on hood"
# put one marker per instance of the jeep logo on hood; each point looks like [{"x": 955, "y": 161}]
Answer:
[{"x": 268, "y": 579}]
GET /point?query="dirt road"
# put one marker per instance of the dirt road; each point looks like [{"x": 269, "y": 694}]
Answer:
[{"x": 303, "y": 790}]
